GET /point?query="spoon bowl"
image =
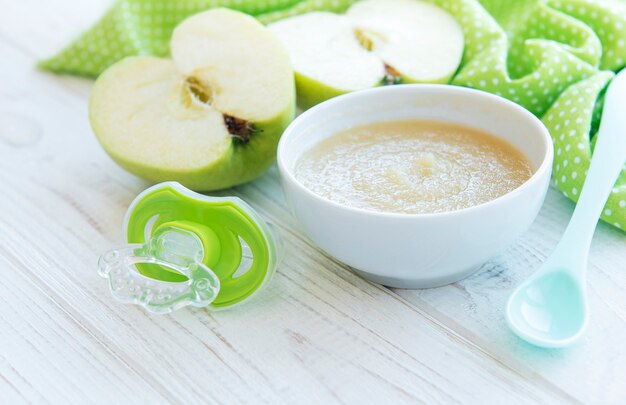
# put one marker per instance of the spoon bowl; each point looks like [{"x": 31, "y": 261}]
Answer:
[{"x": 549, "y": 309}]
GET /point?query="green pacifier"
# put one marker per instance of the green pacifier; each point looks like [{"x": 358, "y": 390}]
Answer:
[{"x": 186, "y": 248}]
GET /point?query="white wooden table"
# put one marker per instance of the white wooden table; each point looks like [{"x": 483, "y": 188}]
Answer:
[{"x": 317, "y": 334}]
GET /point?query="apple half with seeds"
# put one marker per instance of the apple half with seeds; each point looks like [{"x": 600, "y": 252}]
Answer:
[
  {"x": 376, "y": 42},
  {"x": 211, "y": 116}
]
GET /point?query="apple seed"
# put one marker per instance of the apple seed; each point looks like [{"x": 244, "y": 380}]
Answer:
[
  {"x": 239, "y": 129},
  {"x": 392, "y": 76},
  {"x": 198, "y": 91}
]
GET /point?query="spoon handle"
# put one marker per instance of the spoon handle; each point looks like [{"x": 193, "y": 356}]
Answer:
[{"x": 607, "y": 162}]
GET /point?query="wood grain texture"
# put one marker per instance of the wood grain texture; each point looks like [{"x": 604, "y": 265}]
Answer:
[
  {"x": 592, "y": 370},
  {"x": 318, "y": 333}
]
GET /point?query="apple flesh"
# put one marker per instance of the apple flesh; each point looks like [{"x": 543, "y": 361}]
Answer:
[
  {"x": 211, "y": 116},
  {"x": 376, "y": 42},
  {"x": 328, "y": 58}
]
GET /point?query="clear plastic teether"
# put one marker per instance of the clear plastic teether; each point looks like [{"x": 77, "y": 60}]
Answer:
[{"x": 176, "y": 249}]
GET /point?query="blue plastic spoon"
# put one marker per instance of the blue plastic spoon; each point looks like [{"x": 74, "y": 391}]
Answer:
[{"x": 550, "y": 308}]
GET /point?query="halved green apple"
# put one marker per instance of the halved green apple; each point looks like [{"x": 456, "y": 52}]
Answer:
[
  {"x": 376, "y": 42},
  {"x": 210, "y": 117}
]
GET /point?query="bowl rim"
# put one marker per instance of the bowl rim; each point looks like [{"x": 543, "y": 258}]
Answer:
[{"x": 544, "y": 168}]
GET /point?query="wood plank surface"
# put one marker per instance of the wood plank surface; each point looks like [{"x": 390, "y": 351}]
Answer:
[{"x": 317, "y": 334}]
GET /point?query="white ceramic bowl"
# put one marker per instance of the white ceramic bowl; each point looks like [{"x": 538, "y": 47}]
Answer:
[{"x": 417, "y": 250}]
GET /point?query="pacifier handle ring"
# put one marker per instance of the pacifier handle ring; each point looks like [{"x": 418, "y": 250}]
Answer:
[{"x": 128, "y": 285}]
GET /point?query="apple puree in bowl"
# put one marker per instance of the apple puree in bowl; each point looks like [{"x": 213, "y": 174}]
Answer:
[{"x": 412, "y": 167}]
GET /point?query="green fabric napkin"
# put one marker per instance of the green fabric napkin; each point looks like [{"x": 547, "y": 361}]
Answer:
[{"x": 554, "y": 57}]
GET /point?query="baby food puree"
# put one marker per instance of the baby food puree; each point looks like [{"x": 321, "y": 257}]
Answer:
[{"x": 412, "y": 167}]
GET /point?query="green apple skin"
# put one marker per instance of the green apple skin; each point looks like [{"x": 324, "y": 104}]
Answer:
[
  {"x": 242, "y": 163},
  {"x": 441, "y": 80},
  {"x": 311, "y": 92}
]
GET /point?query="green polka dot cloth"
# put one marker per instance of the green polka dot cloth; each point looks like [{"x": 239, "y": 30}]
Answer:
[{"x": 554, "y": 57}]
